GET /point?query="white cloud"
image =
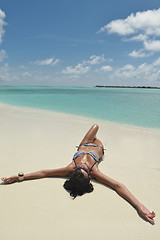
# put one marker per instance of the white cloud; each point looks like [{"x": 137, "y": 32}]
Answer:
[
  {"x": 27, "y": 74},
  {"x": 140, "y": 37},
  {"x": 152, "y": 45},
  {"x": 9, "y": 76},
  {"x": 55, "y": 62},
  {"x": 144, "y": 26},
  {"x": 78, "y": 69},
  {"x": 23, "y": 67},
  {"x": 5, "y": 73},
  {"x": 128, "y": 67},
  {"x": 96, "y": 59},
  {"x": 144, "y": 74},
  {"x": 48, "y": 61},
  {"x": 3, "y": 55},
  {"x": 157, "y": 62},
  {"x": 2, "y": 23},
  {"x": 148, "y": 22},
  {"x": 84, "y": 66},
  {"x": 139, "y": 54},
  {"x": 125, "y": 72},
  {"x": 119, "y": 26},
  {"x": 106, "y": 68}
]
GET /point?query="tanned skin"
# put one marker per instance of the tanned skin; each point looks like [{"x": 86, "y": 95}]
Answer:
[{"x": 87, "y": 161}]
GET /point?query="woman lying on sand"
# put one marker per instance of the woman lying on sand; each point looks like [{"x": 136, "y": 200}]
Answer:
[{"x": 82, "y": 169}]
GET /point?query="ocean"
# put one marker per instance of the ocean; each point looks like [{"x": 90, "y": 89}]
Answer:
[{"x": 131, "y": 106}]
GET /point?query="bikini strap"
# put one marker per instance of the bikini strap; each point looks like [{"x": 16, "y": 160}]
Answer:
[
  {"x": 92, "y": 166},
  {"x": 75, "y": 162},
  {"x": 94, "y": 145}
]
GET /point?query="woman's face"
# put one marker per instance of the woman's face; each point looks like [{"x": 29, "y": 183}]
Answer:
[{"x": 83, "y": 171}]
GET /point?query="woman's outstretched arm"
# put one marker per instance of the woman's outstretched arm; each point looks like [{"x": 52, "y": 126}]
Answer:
[
  {"x": 60, "y": 172},
  {"x": 124, "y": 192}
]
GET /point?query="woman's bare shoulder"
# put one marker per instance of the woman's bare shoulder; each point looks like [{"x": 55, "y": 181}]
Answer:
[
  {"x": 70, "y": 167},
  {"x": 95, "y": 172}
]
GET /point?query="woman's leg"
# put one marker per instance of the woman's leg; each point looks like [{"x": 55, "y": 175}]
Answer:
[{"x": 90, "y": 135}]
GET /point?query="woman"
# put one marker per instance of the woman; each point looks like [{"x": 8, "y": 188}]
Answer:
[{"x": 82, "y": 169}]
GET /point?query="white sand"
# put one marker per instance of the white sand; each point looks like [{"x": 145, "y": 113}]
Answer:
[{"x": 31, "y": 140}]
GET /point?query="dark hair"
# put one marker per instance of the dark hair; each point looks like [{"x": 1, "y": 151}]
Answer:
[{"x": 78, "y": 184}]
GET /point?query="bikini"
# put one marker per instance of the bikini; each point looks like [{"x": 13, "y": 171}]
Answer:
[{"x": 92, "y": 154}]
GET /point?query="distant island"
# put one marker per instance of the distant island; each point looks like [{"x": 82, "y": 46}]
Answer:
[{"x": 127, "y": 87}]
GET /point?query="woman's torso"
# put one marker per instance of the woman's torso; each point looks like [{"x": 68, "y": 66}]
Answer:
[{"x": 88, "y": 158}]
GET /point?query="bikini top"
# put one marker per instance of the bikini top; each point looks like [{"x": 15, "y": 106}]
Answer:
[{"x": 92, "y": 154}]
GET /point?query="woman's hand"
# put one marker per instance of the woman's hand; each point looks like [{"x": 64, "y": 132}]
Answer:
[
  {"x": 144, "y": 212},
  {"x": 10, "y": 179}
]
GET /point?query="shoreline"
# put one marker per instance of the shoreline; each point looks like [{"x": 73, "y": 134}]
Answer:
[
  {"x": 139, "y": 110},
  {"x": 32, "y": 109},
  {"x": 34, "y": 139}
]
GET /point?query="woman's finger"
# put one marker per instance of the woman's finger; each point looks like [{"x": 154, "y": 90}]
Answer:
[{"x": 6, "y": 180}]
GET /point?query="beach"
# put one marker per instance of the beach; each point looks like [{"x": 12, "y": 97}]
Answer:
[{"x": 33, "y": 139}]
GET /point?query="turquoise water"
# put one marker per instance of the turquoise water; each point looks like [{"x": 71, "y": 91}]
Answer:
[{"x": 140, "y": 107}]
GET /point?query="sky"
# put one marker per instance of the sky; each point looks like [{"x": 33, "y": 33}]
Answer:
[{"x": 79, "y": 43}]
